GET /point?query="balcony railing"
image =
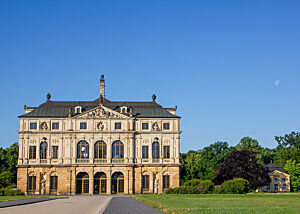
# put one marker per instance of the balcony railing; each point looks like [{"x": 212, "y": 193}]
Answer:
[
  {"x": 155, "y": 160},
  {"x": 82, "y": 160},
  {"x": 100, "y": 161},
  {"x": 117, "y": 160}
]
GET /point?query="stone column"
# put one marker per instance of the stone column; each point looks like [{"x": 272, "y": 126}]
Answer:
[
  {"x": 108, "y": 183},
  {"x": 73, "y": 148},
  {"x": 151, "y": 181},
  {"x": 91, "y": 181},
  {"x": 91, "y": 152},
  {"x": 109, "y": 144}
]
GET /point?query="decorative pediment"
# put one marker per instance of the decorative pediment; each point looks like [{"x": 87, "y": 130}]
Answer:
[
  {"x": 101, "y": 112},
  {"x": 277, "y": 173}
]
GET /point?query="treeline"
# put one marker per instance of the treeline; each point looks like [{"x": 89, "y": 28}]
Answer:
[
  {"x": 8, "y": 163},
  {"x": 203, "y": 164}
]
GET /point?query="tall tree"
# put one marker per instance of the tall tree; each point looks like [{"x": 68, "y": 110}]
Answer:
[
  {"x": 291, "y": 140},
  {"x": 242, "y": 164},
  {"x": 293, "y": 169}
]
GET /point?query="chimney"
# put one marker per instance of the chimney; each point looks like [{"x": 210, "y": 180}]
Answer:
[{"x": 102, "y": 86}]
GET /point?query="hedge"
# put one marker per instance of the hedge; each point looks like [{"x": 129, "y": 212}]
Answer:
[{"x": 235, "y": 186}]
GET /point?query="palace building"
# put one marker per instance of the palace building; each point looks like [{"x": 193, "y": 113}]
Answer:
[{"x": 98, "y": 147}]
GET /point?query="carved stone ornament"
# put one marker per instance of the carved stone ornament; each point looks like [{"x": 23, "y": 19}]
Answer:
[
  {"x": 44, "y": 126},
  {"x": 100, "y": 126},
  {"x": 100, "y": 113},
  {"x": 155, "y": 126}
]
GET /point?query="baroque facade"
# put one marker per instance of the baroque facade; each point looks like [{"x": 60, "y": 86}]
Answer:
[
  {"x": 280, "y": 179},
  {"x": 98, "y": 147}
]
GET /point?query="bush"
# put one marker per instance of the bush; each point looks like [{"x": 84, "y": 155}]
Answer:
[
  {"x": 10, "y": 192},
  {"x": 235, "y": 186},
  {"x": 217, "y": 189},
  {"x": 185, "y": 190},
  {"x": 206, "y": 185},
  {"x": 11, "y": 186}
]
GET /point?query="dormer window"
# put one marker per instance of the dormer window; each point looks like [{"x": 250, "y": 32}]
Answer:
[
  {"x": 78, "y": 109},
  {"x": 123, "y": 109}
]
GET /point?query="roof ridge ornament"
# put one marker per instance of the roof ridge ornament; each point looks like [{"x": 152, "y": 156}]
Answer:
[
  {"x": 154, "y": 97},
  {"x": 48, "y": 96}
]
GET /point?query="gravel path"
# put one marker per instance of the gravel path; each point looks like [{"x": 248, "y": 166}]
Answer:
[
  {"x": 26, "y": 201},
  {"x": 128, "y": 205}
]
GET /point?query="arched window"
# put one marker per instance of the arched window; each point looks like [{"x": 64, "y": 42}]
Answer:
[
  {"x": 117, "y": 150},
  {"x": 100, "y": 183},
  {"x": 117, "y": 183},
  {"x": 82, "y": 149},
  {"x": 82, "y": 183},
  {"x": 155, "y": 149},
  {"x": 100, "y": 150},
  {"x": 43, "y": 150}
]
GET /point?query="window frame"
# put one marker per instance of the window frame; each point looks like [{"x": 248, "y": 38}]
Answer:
[
  {"x": 83, "y": 125},
  {"x": 145, "y": 152},
  {"x": 117, "y": 150},
  {"x": 166, "y": 181},
  {"x": 155, "y": 150},
  {"x": 145, "y": 182},
  {"x": 83, "y": 154},
  {"x": 33, "y": 125},
  {"x": 53, "y": 183},
  {"x": 43, "y": 150},
  {"x": 147, "y": 126},
  {"x": 32, "y": 153},
  {"x": 54, "y": 152},
  {"x": 117, "y": 127},
  {"x": 166, "y": 152},
  {"x": 31, "y": 183},
  {"x": 166, "y": 126},
  {"x": 55, "y": 125},
  {"x": 100, "y": 150}
]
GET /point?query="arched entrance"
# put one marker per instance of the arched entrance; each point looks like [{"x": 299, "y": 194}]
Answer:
[
  {"x": 117, "y": 183},
  {"x": 100, "y": 183},
  {"x": 82, "y": 183}
]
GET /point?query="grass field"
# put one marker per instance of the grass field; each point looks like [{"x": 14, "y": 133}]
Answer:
[
  {"x": 213, "y": 203},
  {"x": 19, "y": 197}
]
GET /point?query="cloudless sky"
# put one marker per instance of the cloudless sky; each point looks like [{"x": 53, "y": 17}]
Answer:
[{"x": 231, "y": 67}]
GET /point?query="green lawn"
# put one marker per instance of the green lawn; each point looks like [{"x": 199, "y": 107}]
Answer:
[
  {"x": 213, "y": 203},
  {"x": 19, "y": 197}
]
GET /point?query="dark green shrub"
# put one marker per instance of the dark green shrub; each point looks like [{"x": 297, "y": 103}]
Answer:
[
  {"x": 235, "y": 186},
  {"x": 185, "y": 190},
  {"x": 217, "y": 189},
  {"x": 11, "y": 186},
  {"x": 206, "y": 186},
  {"x": 10, "y": 192}
]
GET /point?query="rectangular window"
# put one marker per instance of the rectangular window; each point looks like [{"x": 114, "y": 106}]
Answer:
[
  {"x": 145, "y": 182},
  {"x": 55, "y": 125},
  {"x": 166, "y": 181},
  {"x": 268, "y": 187},
  {"x": 166, "y": 151},
  {"x": 275, "y": 179},
  {"x": 145, "y": 152},
  {"x": 283, "y": 179},
  {"x": 145, "y": 126},
  {"x": 276, "y": 187},
  {"x": 83, "y": 125},
  {"x": 33, "y": 125},
  {"x": 53, "y": 182},
  {"x": 32, "y": 183},
  {"x": 32, "y": 152},
  {"x": 54, "y": 154},
  {"x": 117, "y": 125},
  {"x": 284, "y": 187},
  {"x": 166, "y": 126}
]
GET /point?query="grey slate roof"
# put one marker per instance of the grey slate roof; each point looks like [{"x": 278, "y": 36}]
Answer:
[
  {"x": 60, "y": 109},
  {"x": 271, "y": 167}
]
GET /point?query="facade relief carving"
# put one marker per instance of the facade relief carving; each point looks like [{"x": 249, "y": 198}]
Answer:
[
  {"x": 100, "y": 126},
  {"x": 44, "y": 126},
  {"x": 100, "y": 112},
  {"x": 155, "y": 126}
]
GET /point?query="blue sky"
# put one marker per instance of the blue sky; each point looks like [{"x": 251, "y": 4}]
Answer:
[{"x": 218, "y": 61}]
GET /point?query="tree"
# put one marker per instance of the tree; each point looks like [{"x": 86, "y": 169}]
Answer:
[
  {"x": 242, "y": 164},
  {"x": 291, "y": 140},
  {"x": 6, "y": 179},
  {"x": 293, "y": 169}
]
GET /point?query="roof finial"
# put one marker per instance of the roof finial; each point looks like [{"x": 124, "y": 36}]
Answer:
[
  {"x": 102, "y": 86},
  {"x": 153, "y": 97},
  {"x": 48, "y": 96}
]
